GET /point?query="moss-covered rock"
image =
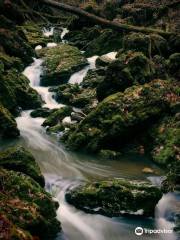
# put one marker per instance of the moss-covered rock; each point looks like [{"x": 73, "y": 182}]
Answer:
[
  {"x": 15, "y": 44},
  {"x": 166, "y": 139},
  {"x": 116, "y": 197},
  {"x": 57, "y": 116},
  {"x": 148, "y": 44},
  {"x": 130, "y": 68},
  {"x": 19, "y": 159},
  {"x": 174, "y": 65},
  {"x": 16, "y": 92},
  {"x": 27, "y": 207},
  {"x": 8, "y": 126},
  {"x": 123, "y": 116},
  {"x": 108, "y": 41},
  {"x": 60, "y": 62},
  {"x": 34, "y": 34},
  {"x": 11, "y": 62},
  {"x": 41, "y": 112}
]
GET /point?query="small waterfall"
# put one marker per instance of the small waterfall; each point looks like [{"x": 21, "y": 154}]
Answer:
[
  {"x": 79, "y": 76},
  {"x": 168, "y": 206},
  {"x": 47, "y": 32}
]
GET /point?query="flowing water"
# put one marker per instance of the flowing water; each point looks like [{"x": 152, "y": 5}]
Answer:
[{"x": 63, "y": 169}]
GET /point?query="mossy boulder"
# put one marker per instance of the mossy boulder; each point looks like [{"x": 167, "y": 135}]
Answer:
[
  {"x": 108, "y": 41},
  {"x": 57, "y": 116},
  {"x": 116, "y": 197},
  {"x": 174, "y": 65},
  {"x": 15, "y": 44},
  {"x": 81, "y": 38},
  {"x": 130, "y": 68},
  {"x": 60, "y": 62},
  {"x": 166, "y": 138},
  {"x": 19, "y": 159},
  {"x": 122, "y": 117},
  {"x": 81, "y": 95},
  {"x": 41, "y": 112},
  {"x": 34, "y": 34},
  {"x": 16, "y": 92},
  {"x": 8, "y": 126},
  {"x": 148, "y": 44},
  {"x": 11, "y": 62},
  {"x": 27, "y": 208}
]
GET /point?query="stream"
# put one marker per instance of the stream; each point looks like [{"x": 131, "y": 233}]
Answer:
[{"x": 63, "y": 169}]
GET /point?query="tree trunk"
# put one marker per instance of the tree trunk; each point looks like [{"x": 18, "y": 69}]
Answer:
[{"x": 104, "y": 22}]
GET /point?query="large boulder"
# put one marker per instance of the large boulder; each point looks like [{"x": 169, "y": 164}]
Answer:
[
  {"x": 8, "y": 126},
  {"x": 148, "y": 44},
  {"x": 27, "y": 211},
  {"x": 108, "y": 41},
  {"x": 129, "y": 69},
  {"x": 81, "y": 96},
  {"x": 60, "y": 63},
  {"x": 122, "y": 117},
  {"x": 19, "y": 159},
  {"x": 116, "y": 197},
  {"x": 165, "y": 138},
  {"x": 15, "y": 91}
]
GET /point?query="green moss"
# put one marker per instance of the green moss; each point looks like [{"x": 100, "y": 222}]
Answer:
[
  {"x": 130, "y": 68},
  {"x": 18, "y": 159},
  {"x": 34, "y": 34},
  {"x": 8, "y": 124},
  {"x": 108, "y": 41},
  {"x": 57, "y": 116},
  {"x": 27, "y": 206},
  {"x": 60, "y": 62},
  {"x": 115, "y": 197},
  {"x": 166, "y": 138},
  {"x": 123, "y": 117},
  {"x": 15, "y": 91}
]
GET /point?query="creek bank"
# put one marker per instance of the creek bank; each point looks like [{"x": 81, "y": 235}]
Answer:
[
  {"x": 116, "y": 197},
  {"x": 24, "y": 203}
]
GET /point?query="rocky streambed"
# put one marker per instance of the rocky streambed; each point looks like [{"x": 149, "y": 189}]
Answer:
[{"x": 118, "y": 109}]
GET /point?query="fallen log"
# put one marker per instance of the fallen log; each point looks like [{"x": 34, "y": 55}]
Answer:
[{"x": 104, "y": 22}]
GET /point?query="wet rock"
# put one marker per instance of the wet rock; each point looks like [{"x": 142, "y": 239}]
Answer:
[
  {"x": 56, "y": 129},
  {"x": 103, "y": 61},
  {"x": 42, "y": 112},
  {"x": 80, "y": 96},
  {"x": 16, "y": 92},
  {"x": 27, "y": 208},
  {"x": 130, "y": 68},
  {"x": 123, "y": 116},
  {"x": 19, "y": 159},
  {"x": 8, "y": 126},
  {"x": 147, "y": 170},
  {"x": 57, "y": 116},
  {"x": 109, "y": 154},
  {"x": 60, "y": 63},
  {"x": 116, "y": 197}
]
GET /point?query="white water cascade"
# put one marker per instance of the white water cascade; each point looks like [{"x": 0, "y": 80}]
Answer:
[{"x": 63, "y": 169}]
